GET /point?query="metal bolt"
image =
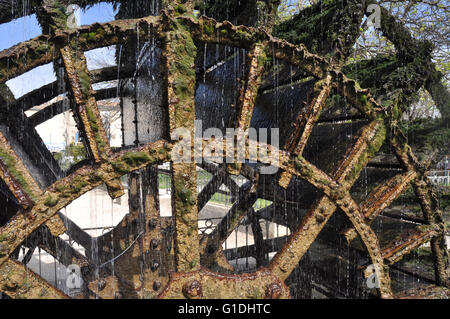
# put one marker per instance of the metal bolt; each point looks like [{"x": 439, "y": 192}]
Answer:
[
  {"x": 273, "y": 291},
  {"x": 211, "y": 249},
  {"x": 154, "y": 244},
  {"x": 193, "y": 290},
  {"x": 101, "y": 284},
  {"x": 85, "y": 271},
  {"x": 153, "y": 223},
  {"x": 155, "y": 265},
  {"x": 156, "y": 285}
]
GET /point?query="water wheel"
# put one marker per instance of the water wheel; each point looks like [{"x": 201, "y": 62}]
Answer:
[{"x": 174, "y": 68}]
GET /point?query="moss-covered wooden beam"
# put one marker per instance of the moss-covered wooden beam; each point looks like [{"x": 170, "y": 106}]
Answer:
[
  {"x": 44, "y": 49},
  {"x": 305, "y": 122},
  {"x": 249, "y": 89},
  {"x": 396, "y": 32},
  {"x": 53, "y": 17},
  {"x": 21, "y": 184},
  {"x": 422, "y": 185},
  {"x": 427, "y": 292},
  {"x": 16, "y": 176},
  {"x": 380, "y": 198},
  {"x": 161, "y": 258},
  {"x": 86, "y": 108},
  {"x": 19, "y": 282},
  {"x": 247, "y": 96},
  {"x": 6, "y": 96},
  {"x": 428, "y": 202},
  {"x": 79, "y": 80},
  {"x": 66, "y": 190},
  {"x": 407, "y": 242},
  {"x": 121, "y": 165},
  {"x": 358, "y": 97},
  {"x": 205, "y": 284},
  {"x": 46, "y": 168},
  {"x": 179, "y": 68}
]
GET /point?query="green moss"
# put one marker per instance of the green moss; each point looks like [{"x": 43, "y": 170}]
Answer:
[
  {"x": 100, "y": 33},
  {"x": 101, "y": 144},
  {"x": 51, "y": 201},
  {"x": 119, "y": 167},
  {"x": 257, "y": 294},
  {"x": 136, "y": 159},
  {"x": 372, "y": 148},
  {"x": 3, "y": 237},
  {"x": 208, "y": 29},
  {"x": 42, "y": 48},
  {"x": 263, "y": 60},
  {"x": 324, "y": 182},
  {"x": 74, "y": 187},
  {"x": 182, "y": 71},
  {"x": 363, "y": 99},
  {"x": 193, "y": 263},
  {"x": 302, "y": 168},
  {"x": 131, "y": 161},
  {"x": 183, "y": 194},
  {"x": 241, "y": 36},
  {"x": 180, "y": 9},
  {"x": 91, "y": 36},
  {"x": 10, "y": 163},
  {"x": 85, "y": 83}
]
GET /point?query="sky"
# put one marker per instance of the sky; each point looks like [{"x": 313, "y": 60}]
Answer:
[{"x": 26, "y": 28}]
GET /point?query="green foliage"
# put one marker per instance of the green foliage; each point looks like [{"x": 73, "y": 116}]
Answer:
[
  {"x": 73, "y": 154},
  {"x": 428, "y": 136}
]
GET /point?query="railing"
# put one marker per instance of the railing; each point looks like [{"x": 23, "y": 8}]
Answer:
[{"x": 441, "y": 178}]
